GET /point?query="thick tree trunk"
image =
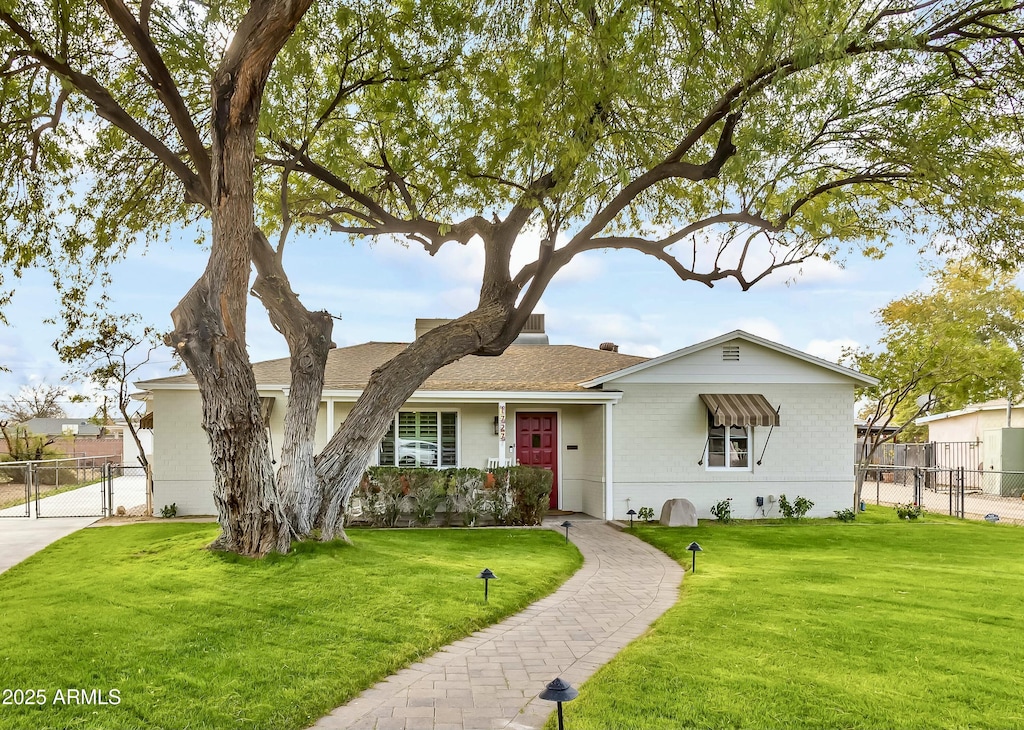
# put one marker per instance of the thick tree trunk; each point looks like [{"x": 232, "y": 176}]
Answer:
[
  {"x": 308, "y": 335},
  {"x": 209, "y": 323},
  {"x": 341, "y": 464}
]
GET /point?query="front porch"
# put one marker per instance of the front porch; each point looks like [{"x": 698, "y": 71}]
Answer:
[{"x": 569, "y": 433}]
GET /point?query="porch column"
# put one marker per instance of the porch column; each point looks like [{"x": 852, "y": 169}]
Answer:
[
  {"x": 330, "y": 418},
  {"x": 609, "y": 479},
  {"x": 502, "y": 450}
]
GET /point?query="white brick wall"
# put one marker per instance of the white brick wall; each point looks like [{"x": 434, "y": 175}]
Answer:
[
  {"x": 660, "y": 431},
  {"x": 181, "y": 454}
]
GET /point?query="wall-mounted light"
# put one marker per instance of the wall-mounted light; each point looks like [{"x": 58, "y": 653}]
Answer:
[{"x": 497, "y": 426}]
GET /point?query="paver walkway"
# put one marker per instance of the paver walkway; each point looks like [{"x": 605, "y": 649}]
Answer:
[{"x": 491, "y": 679}]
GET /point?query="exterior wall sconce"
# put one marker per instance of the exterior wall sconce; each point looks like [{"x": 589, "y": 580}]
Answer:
[{"x": 497, "y": 428}]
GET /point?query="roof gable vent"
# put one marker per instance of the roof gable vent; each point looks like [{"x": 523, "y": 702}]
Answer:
[{"x": 731, "y": 353}]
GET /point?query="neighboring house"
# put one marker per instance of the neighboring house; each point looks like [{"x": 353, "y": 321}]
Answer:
[
  {"x": 970, "y": 422},
  {"x": 734, "y": 417},
  {"x": 996, "y": 431},
  {"x": 75, "y": 437}
]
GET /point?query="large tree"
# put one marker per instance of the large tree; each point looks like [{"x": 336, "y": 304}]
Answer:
[
  {"x": 35, "y": 401},
  {"x": 109, "y": 350},
  {"x": 960, "y": 342},
  {"x": 727, "y": 140}
]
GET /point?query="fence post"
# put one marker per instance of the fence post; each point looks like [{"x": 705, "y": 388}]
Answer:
[
  {"x": 149, "y": 490},
  {"x": 108, "y": 486},
  {"x": 961, "y": 507},
  {"x": 31, "y": 479},
  {"x": 951, "y": 482},
  {"x": 917, "y": 485}
]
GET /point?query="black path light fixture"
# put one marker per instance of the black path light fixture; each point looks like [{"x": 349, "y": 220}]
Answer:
[
  {"x": 558, "y": 690},
  {"x": 631, "y": 513},
  {"x": 566, "y": 525},
  {"x": 694, "y": 547},
  {"x": 488, "y": 576}
]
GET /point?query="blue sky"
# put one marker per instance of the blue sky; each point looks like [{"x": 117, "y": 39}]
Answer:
[{"x": 379, "y": 290}]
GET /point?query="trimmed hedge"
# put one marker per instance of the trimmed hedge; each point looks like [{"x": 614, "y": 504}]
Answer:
[{"x": 393, "y": 495}]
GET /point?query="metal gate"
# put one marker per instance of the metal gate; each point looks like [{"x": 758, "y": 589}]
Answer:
[
  {"x": 71, "y": 500},
  {"x": 15, "y": 495},
  {"x": 74, "y": 488}
]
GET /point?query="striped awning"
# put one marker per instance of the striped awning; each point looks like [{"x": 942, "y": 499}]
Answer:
[
  {"x": 740, "y": 409},
  {"x": 266, "y": 408}
]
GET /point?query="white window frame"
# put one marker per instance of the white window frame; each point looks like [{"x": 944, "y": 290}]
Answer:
[
  {"x": 439, "y": 412},
  {"x": 728, "y": 446}
]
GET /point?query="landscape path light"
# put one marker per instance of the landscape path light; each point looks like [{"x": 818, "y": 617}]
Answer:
[
  {"x": 631, "y": 513},
  {"x": 558, "y": 690},
  {"x": 694, "y": 547},
  {"x": 566, "y": 525},
  {"x": 488, "y": 576}
]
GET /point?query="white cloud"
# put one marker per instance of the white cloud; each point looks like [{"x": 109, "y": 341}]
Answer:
[
  {"x": 829, "y": 349},
  {"x": 634, "y": 335},
  {"x": 759, "y": 326}
]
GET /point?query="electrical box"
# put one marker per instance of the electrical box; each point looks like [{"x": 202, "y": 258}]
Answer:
[{"x": 759, "y": 501}]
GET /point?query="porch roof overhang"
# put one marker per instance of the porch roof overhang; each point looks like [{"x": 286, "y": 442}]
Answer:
[
  {"x": 492, "y": 396},
  {"x": 740, "y": 409}
]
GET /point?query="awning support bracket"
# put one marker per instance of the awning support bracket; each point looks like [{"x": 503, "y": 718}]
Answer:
[
  {"x": 777, "y": 412},
  {"x": 700, "y": 462}
]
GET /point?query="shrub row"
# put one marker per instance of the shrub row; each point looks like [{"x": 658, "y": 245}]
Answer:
[{"x": 389, "y": 495}]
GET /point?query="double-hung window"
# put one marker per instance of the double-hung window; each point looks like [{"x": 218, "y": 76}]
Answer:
[
  {"x": 728, "y": 446},
  {"x": 421, "y": 439}
]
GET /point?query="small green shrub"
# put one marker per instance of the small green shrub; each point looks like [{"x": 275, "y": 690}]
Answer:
[
  {"x": 516, "y": 495},
  {"x": 169, "y": 510},
  {"x": 846, "y": 515},
  {"x": 723, "y": 511},
  {"x": 384, "y": 495},
  {"x": 498, "y": 504},
  {"x": 795, "y": 510},
  {"x": 426, "y": 490},
  {"x": 908, "y": 511},
  {"x": 530, "y": 489},
  {"x": 646, "y": 514}
]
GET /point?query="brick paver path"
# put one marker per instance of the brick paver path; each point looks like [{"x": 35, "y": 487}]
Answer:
[{"x": 491, "y": 679}]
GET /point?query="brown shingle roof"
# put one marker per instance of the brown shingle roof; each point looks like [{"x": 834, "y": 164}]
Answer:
[{"x": 521, "y": 368}]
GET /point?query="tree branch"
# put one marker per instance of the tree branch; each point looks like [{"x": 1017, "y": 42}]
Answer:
[
  {"x": 108, "y": 108},
  {"x": 162, "y": 82}
]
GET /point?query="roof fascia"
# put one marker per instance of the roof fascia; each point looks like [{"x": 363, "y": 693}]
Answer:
[
  {"x": 454, "y": 396},
  {"x": 965, "y": 411},
  {"x": 734, "y": 335},
  {"x": 491, "y": 396}
]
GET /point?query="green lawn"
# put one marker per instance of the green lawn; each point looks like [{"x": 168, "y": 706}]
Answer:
[
  {"x": 875, "y": 624},
  {"x": 193, "y": 639}
]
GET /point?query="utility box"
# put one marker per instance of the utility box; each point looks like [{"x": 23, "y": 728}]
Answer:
[{"x": 1002, "y": 452}]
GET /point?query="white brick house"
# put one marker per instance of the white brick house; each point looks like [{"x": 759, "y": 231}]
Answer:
[{"x": 619, "y": 431}]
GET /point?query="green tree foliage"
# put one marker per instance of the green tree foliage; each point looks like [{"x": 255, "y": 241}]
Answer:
[
  {"x": 727, "y": 139},
  {"x": 960, "y": 342},
  {"x": 108, "y": 350}
]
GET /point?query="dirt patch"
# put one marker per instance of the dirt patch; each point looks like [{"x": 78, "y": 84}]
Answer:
[{"x": 12, "y": 494}]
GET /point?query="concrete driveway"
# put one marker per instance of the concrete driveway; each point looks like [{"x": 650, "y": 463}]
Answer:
[
  {"x": 24, "y": 536},
  {"x": 21, "y": 537}
]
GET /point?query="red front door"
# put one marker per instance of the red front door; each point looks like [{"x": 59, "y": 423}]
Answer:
[{"x": 537, "y": 445}]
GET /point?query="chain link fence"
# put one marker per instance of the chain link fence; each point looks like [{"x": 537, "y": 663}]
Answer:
[
  {"x": 75, "y": 487},
  {"x": 973, "y": 494}
]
